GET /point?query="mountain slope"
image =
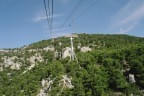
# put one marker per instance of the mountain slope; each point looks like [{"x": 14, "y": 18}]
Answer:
[{"x": 113, "y": 65}]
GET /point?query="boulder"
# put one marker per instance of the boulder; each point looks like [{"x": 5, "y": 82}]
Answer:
[{"x": 132, "y": 78}]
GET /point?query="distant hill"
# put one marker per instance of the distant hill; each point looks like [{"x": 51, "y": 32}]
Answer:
[{"x": 106, "y": 65}]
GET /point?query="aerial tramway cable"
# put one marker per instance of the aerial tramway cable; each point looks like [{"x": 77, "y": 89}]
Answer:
[
  {"x": 72, "y": 12},
  {"x": 49, "y": 11},
  {"x": 81, "y": 13},
  {"x": 46, "y": 12},
  {"x": 86, "y": 9}
]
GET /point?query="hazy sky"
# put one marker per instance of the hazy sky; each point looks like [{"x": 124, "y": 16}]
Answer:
[{"x": 23, "y": 21}]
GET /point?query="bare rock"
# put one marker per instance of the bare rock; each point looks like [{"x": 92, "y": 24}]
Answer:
[
  {"x": 85, "y": 49},
  {"x": 132, "y": 78},
  {"x": 66, "y": 82},
  {"x": 49, "y": 48},
  {"x": 66, "y": 52},
  {"x": 11, "y": 63},
  {"x": 46, "y": 87}
]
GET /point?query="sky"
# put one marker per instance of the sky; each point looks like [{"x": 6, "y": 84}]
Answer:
[{"x": 23, "y": 22}]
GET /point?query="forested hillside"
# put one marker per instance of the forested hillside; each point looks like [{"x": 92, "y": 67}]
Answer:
[{"x": 106, "y": 65}]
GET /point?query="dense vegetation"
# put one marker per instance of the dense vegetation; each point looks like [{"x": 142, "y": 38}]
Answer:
[{"x": 102, "y": 72}]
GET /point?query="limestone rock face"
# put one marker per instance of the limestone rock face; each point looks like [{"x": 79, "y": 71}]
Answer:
[
  {"x": 49, "y": 48},
  {"x": 47, "y": 83},
  {"x": 85, "y": 49},
  {"x": 32, "y": 50},
  {"x": 66, "y": 52},
  {"x": 46, "y": 87},
  {"x": 11, "y": 63},
  {"x": 33, "y": 60},
  {"x": 66, "y": 82}
]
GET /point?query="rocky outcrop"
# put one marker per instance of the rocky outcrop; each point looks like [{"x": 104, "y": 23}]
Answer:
[
  {"x": 66, "y": 82},
  {"x": 46, "y": 84},
  {"x": 132, "y": 78},
  {"x": 36, "y": 58},
  {"x": 46, "y": 87},
  {"x": 66, "y": 52},
  {"x": 11, "y": 62},
  {"x": 32, "y": 50},
  {"x": 85, "y": 49},
  {"x": 49, "y": 48},
  {"x": 33, "y": 60}
]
